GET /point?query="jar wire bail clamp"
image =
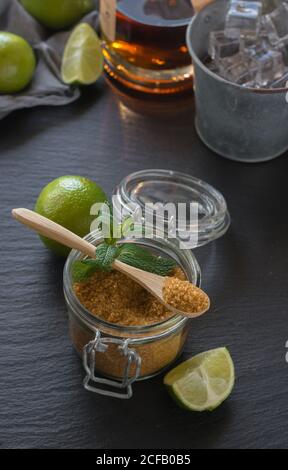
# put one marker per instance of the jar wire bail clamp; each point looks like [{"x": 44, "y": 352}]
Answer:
[{"x": 101, "y": 345}]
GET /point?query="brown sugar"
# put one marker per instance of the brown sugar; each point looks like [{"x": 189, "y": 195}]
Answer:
[
  {"x": 184, "y": 296},
  {"x": 155, "y": 355},
  {"x": 115, "y": 298}
]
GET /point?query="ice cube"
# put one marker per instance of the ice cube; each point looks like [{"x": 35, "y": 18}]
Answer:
[
  {"x": 270, "y": 66},
  {"x": 268, "y": 30},
  {"x": 283, "y": 48},
  {"x": 281, "y": 82},
  {"x": 243, "y": 18},
  {"x": 220, "y": 46},
  {"x": 270, "y": 5},
  {"x": 276, "y": 24},
  {"x": 238, "y": 69},
  {"x": 253, "y": 46},
  {"x": 212, "y": 65}
]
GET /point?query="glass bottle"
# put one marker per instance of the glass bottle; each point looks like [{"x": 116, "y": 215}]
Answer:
[{"x": 145, "y": 45}]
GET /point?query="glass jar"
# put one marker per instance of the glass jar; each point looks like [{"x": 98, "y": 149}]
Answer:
[
  {"x": 120, "y": 355},
  {"x": 145, "y": 46},
  {"x": 116, "y": 356}
]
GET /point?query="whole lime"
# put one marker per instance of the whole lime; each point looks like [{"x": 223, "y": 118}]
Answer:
[
  {"x": 68, "y": 201},
  {"x": 58, "y": 14},
  {"x": 17, "y": 63}
]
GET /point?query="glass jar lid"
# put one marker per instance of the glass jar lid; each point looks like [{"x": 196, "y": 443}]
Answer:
[{"x": 162, "y": 187}]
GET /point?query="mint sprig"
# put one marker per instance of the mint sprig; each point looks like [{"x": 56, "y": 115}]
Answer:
[{"x": 128, "y": 253}]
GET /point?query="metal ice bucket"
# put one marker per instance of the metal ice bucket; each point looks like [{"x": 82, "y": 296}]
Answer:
[
  {"x": 3, "y": 5},
  {"x": 244, "y": 124}
]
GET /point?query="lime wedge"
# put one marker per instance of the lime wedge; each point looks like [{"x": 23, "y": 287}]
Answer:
[
  {"x": 83, "y": 58},
  {"x": 203, "y": 382}
]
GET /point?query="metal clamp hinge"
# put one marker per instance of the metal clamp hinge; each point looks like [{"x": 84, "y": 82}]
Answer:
[{"x": 101, "y": 345}]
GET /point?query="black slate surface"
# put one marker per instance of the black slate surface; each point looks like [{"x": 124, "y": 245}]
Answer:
[{"x": 42, "y": 402}]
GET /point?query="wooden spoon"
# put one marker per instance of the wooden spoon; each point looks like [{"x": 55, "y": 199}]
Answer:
[{"x": 151, "y": 282}]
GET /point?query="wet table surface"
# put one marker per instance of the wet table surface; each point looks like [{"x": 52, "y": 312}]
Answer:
[{"x": 42, "y": 402}]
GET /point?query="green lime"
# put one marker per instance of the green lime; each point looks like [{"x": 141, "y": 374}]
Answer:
[
  {"x": 17, "y": 63},
  {"x": 58, "y": 14},
  {"x": 68, "y": 201},
  {"x": 203, "y": 382},
  {"x": 83, "y": 58}
]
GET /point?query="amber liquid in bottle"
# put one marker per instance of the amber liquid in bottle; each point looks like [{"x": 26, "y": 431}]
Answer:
[{"x": 151, "y": 34}]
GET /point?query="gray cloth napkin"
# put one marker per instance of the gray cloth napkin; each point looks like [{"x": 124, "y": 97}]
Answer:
[{"x": 46, "y": 87}]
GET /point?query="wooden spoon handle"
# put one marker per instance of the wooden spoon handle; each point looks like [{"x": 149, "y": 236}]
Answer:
[{"x": 56, "y": 232}]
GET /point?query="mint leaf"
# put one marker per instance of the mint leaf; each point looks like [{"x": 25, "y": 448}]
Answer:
[
  {"x": 106, "y": 255},
  {"x": 82, "y": 270},
  {"x": 105, "y": 219},
  {"x": 141, "y": 258}
]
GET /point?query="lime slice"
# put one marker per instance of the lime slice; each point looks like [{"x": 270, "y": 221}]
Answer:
[
  {"x": 203, "y": 382},
  {"x": 83, "y": 58}
]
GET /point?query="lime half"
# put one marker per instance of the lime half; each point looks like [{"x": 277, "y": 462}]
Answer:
[
  {"x": 203, "y": 382},
  {"x": 83, "y": 58}
]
